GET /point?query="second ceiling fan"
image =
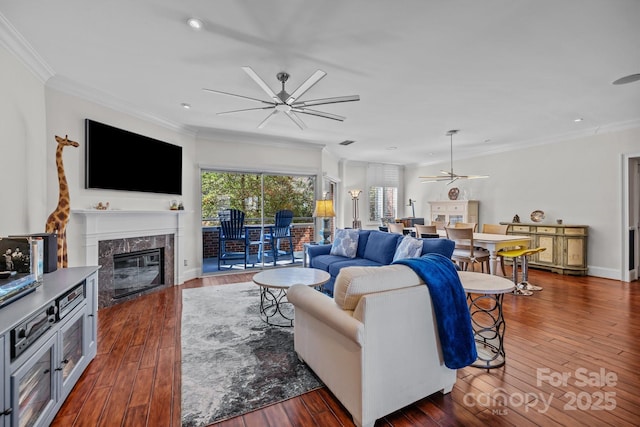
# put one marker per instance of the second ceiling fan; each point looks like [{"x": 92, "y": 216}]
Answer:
[{"x": 286, "y": 103}]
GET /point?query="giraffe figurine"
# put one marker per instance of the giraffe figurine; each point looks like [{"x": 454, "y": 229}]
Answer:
[{"x": 57, "y": 221}]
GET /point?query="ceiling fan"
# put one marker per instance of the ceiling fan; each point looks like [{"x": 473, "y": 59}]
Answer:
[
  {"x": 289, "y": 103},
  {"x": 449, "y": 175}
]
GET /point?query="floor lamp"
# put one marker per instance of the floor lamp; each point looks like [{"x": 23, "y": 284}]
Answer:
[
  {"x": 324, "y": 210},
  {"x": 354, "y": 198}
]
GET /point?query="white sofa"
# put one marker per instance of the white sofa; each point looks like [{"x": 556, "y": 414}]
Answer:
[{"x": 374, "y": 344}]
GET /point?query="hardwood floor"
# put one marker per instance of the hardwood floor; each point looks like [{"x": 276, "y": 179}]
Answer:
[{"x": 584, "y": 327}]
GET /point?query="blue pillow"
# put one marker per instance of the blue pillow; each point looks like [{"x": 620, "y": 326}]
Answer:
[
  {"x": 381, "y": 246},
  {"x": 345, "y": 242},
  {"x": 409, "y": 247}
]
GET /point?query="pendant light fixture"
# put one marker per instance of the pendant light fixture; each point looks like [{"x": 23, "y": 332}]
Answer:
[{"x": 450, "y": 175}]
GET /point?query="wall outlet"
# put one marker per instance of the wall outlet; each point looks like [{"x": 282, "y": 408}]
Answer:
[{"x": 185, "y": 263}]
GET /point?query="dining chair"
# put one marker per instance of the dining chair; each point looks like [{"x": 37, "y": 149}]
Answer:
[
  {"x": 232, "y": 231},
  {"x": 497, "y": 229},
  {"x": 281, "y": 230},
  {"x": 473, "y": 225},
  {"x": 396, "y": 227},
  {"x": 425, "y": 231},
  {"x": 440, "y": 225},
  {"x": 465, "y": 253}
]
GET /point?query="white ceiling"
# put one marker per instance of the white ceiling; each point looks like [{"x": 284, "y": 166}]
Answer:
[{"x": 504, "y": 72}]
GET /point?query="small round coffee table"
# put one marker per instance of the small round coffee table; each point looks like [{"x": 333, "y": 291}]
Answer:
[
  {"x": 274, "y": 308},
  {"x": 484, "y": 296}
]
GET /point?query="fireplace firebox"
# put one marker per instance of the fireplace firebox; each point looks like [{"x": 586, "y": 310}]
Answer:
[{"x": 139, "y": 271}]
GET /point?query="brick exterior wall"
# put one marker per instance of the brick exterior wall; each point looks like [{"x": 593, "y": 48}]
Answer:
[{"x": 301, "y": 233}]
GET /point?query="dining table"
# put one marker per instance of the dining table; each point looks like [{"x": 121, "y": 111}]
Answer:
[
  {"x": 491, "y": 242},
  {"x": 495, "y": 242}
]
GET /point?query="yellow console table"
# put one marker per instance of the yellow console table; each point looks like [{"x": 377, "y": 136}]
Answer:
[{"x": 566, "y": 246}]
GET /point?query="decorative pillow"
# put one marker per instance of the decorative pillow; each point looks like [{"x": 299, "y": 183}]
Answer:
[
  {"x": 345, "y": 242},
  {"x": 409, "y": 247}
]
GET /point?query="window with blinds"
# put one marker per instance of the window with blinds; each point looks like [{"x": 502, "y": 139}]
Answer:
[{"x": 383, "y": 181}]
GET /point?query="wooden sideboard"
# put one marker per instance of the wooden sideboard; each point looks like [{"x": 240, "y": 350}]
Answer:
[
  {"x": 452, "y": 211},
  {"x": 566, "y": 246}
]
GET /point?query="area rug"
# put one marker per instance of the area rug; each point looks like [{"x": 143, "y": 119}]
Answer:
[{"x": 233, "y": 362}]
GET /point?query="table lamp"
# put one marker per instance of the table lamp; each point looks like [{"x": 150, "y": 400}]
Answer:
[
  {"x": 324, "y": 210},
  {"x": 354, "y": 197}
]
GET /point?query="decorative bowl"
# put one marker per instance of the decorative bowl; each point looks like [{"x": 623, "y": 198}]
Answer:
[{"x": 537, "y": 216}]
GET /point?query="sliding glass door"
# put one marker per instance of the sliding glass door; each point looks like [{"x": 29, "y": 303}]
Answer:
[{"x": 260, "y": 196}]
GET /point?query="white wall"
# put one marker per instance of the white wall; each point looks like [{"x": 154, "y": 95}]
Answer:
[
  {"x": 65, "y": 116},
  {"x": 578, "y": 181},
  {"x": 22, "y": 148}
]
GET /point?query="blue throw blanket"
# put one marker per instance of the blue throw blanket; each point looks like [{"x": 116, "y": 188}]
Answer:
[{"x": 450, "y": 306}]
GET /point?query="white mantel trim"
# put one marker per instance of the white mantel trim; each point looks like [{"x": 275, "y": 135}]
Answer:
[{"x": 98, "y": 225}]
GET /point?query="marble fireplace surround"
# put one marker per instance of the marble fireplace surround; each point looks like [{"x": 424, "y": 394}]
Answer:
[{"x": 109, "y": 232}]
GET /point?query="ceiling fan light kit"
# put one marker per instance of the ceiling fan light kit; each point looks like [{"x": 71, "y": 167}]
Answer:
[
  {"x": 286, "y": 103},
  {"x": 450, "y": 175}
]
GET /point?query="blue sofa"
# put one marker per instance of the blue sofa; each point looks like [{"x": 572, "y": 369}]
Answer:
[{"x": 375, "y": 248}]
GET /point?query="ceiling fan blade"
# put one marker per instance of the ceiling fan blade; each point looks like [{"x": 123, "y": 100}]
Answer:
[
  {"x": 319, "y": 114},
  {"x": 262, "y": 84},
  {"x": 323, "y": 101},
  {"x": 315, "y": 78},
  {"x": 246, "y": 109},
  {"x": 267, "y": 119},
  {"x": 294, "y": 117},
  {"x": 237, "y": 96}
]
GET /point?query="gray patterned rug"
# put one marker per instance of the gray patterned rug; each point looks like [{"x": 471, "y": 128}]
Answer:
[{"x": 232, "y": 362}]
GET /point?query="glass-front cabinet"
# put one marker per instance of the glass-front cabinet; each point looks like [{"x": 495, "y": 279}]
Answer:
[
  {"x": 73, "y": 349},
  {"x": 32, "y": 387},
  {"x": 449, "y": 212},
  {"x": 43, "y": 357}
]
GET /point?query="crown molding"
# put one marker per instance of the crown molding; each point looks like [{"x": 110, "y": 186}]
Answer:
[
  {"x": 65, "y": 85},
  {"x": 13, "y": 41}
]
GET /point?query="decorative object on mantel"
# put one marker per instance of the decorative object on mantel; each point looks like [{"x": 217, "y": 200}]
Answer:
[
  {"x": 516, "y": 218},
  {"x": 559, "y": 221},
  {"x": 537, "y": 216},
  {"x": 453, "y": 193},
  {"x": 173, "y": 205},
  {"x": 102, "y": 206},
  {"x": 58, "y": 219},
  {"x": 449, "y": 175}
]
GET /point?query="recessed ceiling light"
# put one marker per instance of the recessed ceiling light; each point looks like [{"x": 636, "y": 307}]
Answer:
[
  {"x": 627, "y": 79},
  {"x": 487, "y": 140},
  {"x": 392, "y": 148},
  {"x": 578, "y": 120},
  {"x": 185, "y": 105},
  {"x": 195, "y": 23}
]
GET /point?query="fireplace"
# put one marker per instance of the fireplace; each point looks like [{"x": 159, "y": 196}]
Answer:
[
  {"x": 138, "y": 271},
  {"x": 105, "y": 233},
  {"x": 131, "y": 267}
]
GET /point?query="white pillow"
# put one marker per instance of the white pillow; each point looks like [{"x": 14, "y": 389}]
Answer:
[
  {"x": 409, "y": 247},
  {"x": 345, "y": 242}
]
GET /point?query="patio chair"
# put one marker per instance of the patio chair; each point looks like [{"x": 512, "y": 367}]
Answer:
[
  {"x": 280, "y": 230},
  {"x": 232, "y": 231}
]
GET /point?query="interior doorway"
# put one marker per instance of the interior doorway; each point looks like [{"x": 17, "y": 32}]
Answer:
[{"x": 632, "y": 225}]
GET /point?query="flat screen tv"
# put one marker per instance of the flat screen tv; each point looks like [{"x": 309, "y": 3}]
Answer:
[{"x": 117, "y": 159}]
